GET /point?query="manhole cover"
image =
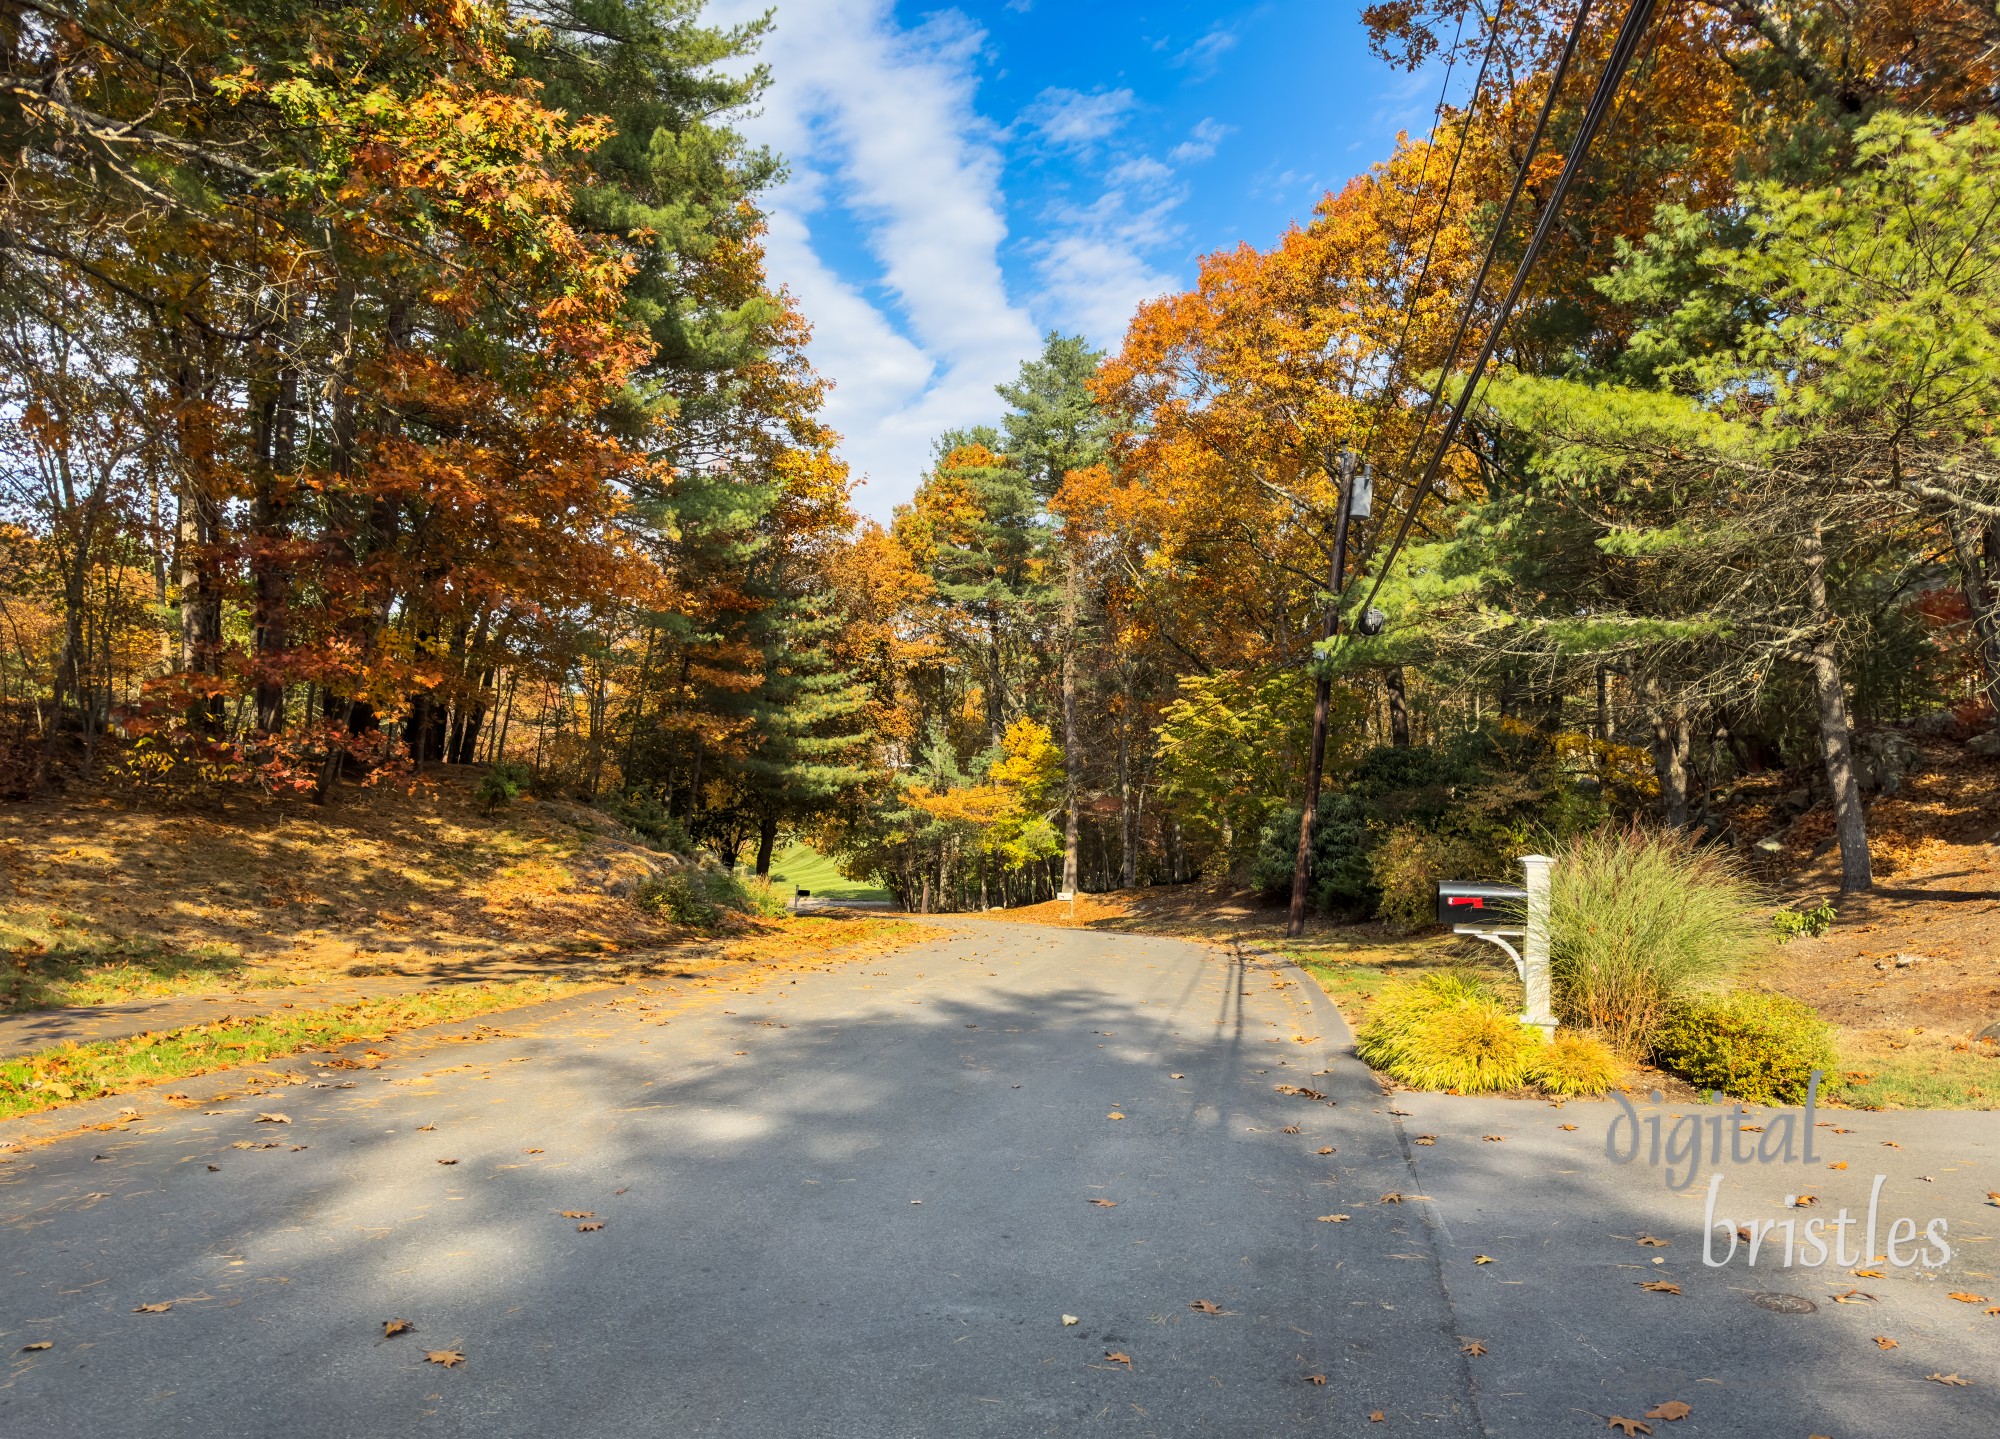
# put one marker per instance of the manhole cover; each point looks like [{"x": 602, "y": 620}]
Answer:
[{"x": 1784, "y": 1303}]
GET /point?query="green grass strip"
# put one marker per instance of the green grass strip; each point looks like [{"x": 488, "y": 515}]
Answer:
[{"x": 72, "y": 1073}]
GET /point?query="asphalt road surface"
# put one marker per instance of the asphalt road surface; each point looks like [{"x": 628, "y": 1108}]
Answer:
[{"x": 867, "y": 1198}]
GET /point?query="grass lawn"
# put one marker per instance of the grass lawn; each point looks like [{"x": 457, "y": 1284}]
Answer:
[
  {"x": 76, "y": 1072},
  {"x": 61, "y": 958},
  {"x": 72, "y": 1073},
  {"x": 803, "y": 867}
]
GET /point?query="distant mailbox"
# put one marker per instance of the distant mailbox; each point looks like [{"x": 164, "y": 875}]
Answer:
[{"x": 1485, "y": 905}]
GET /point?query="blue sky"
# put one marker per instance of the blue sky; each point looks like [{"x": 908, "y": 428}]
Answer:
[{"x": 963, "y": 180}]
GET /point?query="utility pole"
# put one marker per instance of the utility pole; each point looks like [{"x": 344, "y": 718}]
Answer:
[{"x": 1295, "y": 924}]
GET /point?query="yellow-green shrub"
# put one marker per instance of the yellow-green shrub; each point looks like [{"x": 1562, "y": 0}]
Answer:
[
  {"x": 1749, "y": 1044},
  {"x": 1447, "y": 1031},
  {"x": 1577, "y": 1064}
]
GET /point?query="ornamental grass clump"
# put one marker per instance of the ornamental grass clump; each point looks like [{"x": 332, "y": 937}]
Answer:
[
  {"x": 1641, "y": 921},
  {"x": 1576, "y": 1065},
  {"x": 1448, "y": 1031}
]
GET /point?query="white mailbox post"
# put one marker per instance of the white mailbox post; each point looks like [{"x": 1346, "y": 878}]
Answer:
[
  {"x": 1502, "y": 913},
  {"x": 1534, "y": 962}
]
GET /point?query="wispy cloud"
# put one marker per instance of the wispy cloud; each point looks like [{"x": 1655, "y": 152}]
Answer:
[
  {"x": 1201, "y": 56},
  {"x": 1074, "y": 120},
  {"x": 1201, "y": 142},
  {"x": 878, "y": 121}
]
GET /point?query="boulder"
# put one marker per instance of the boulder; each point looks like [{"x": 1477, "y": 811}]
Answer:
[{"x": 1986, "y": 746}]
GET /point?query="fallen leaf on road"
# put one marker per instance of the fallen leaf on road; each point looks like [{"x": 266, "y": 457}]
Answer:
[
  {"x": 215, "y": 1169},
  {"x": 273, "y": 1119},
  {"x": 1069, "y": 1319},
  {"x": 154, "y": 1308},
  {"x": 578, "y": 1214},
  {"x": 1472, "y": 1347},
  {"x": 1866, "y": 1273},
  {"x": 531, "y": 1151},
  {"x": 1119, "y": 1357},
  {"x": 1949, "y": 1379},
  {"x": 1425, "y": 1139},
  {"x": 1327, "y": 1149},
  {"x": 1751, "y": 1128},
  {"x": 44, "y": 1344},
  {"x": 446, "y": 1357},
  {"x": 1494, "y": 1138},
  {"x": 1841, "y": 1165},
  {"x": 447, "y": 1161},
  {"x": 1105, "y": 1203},
  {"x": 1392, "y": 1197},
  {"x": 1630, "y": 1426},
  {"x": 425, "y": 1128},
  {"x": 1565, "y": 1126},
  {"x": 1852, "y": 1296},
  {"x": 1114, "y": 1114},
  {"x": 1659, "y": 1286},
  {"x": 1204, "y": 1306},
  {"x": 1883, "y": 1341},
  {"x": 590, "y": 1226},
  {"x": 1177, "y": 1076},
  {"x": 1890, "y": 1144},
  {"x": 1334, "y": 1218},
  {"x": 1672, "y": 1409},
  {"x": 392, "y": 1327},
  {"x": 1804, "y": 1200},
  {"x": 1376, "y": 1416},
  {"x": 1482, "y": 1259},
  {"x": 1315, "y": 1379},
  {"x": 1963, "y": 1298},
  {"x": 1651, "y": 1243}
]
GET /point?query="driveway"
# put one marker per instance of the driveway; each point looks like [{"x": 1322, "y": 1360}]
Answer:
[{"x": 1011, "y": 1181}]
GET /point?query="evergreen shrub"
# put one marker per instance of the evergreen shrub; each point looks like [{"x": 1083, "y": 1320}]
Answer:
[{"x": 1749, "y": 1044}]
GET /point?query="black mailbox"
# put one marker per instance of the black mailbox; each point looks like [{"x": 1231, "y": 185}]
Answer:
[{"x": 1485, "y": 905}]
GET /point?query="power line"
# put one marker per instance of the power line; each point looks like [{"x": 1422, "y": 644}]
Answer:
[
  {"x": 1437, "y": 225},
  {"x": 1630, "y": 32},
  {"x": 1478, "y": 287}
]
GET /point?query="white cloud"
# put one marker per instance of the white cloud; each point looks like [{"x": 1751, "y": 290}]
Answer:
[
  {"x": 879, "y": 120},
  {"x": 1201, "y": 142},
  {"x": 1141, "y": 171},
  {"x": 1075, "y": 120},
  {"x": 1203, "y": 54},
  {"x": 1094, "y": 282}
]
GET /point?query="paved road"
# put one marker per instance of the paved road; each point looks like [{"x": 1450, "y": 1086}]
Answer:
[{"x": 855, "y": 1200}]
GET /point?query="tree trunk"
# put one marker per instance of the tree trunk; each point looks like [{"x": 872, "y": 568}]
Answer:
[
  {"x": 1836, "y": 736},
  {"x": 767, "y": 840},
  {"x": 276, "y": 446},
  {"x": 1128, "y": 826},
  {"x": 1670, "y": 764},
  {"x": 1399, "y": 708},
  {"x": 1072, "y": 758},
  {"x": 1978, "y": 555}
]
